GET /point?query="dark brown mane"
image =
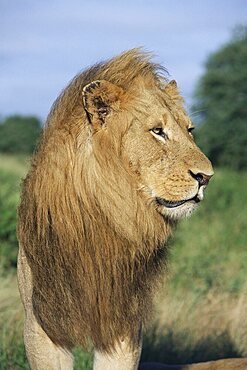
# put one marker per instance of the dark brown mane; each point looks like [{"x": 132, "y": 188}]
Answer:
[{"x": 93, "y": 244}]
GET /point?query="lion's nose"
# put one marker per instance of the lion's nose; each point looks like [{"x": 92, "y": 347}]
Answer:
[{"x": 202, "y": 178}]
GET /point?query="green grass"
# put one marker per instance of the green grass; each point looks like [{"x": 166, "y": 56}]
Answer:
[{"x": 200, "y": 311}]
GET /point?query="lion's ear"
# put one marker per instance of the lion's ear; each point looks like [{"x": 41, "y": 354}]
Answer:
[
  {"x": 100, "y": 98},
  {"x": 172, "y": 88}
]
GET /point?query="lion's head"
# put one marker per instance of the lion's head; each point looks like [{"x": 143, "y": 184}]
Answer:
[{"x": 154, "y": 140}]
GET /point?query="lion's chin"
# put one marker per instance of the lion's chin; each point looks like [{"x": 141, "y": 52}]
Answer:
[{"x": 181, "y": 211}]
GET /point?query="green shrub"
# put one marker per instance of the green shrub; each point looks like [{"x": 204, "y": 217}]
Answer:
[{"x": 19, "y": 134}]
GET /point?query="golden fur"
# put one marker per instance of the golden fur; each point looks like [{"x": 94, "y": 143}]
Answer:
[{"x": 90, "y": 227}]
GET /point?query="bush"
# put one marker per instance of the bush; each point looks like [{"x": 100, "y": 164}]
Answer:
[{"x": 19, "y": 134}]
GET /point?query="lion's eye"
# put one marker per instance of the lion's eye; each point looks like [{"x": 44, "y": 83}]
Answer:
[
  {"x": 190, "y": 129},
  {"x": 160, "y": 132}
]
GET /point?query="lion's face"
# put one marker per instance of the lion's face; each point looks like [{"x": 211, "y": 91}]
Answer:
[
  {"x": 159, "y": 148},
  {"x": 172, "y": 171}
]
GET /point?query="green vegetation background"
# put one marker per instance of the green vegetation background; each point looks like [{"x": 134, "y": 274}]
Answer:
[{"x": 200, "y": 313}]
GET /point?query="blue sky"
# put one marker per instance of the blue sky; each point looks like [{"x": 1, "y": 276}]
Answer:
[{"x": 43, "y": 44}]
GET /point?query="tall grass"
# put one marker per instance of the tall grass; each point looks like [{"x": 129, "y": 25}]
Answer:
[
  {"x": 200, "y": 311},
  {"x": 12, "y": 353}
]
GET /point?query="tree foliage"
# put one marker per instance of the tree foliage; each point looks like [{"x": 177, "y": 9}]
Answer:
[
  {"x": 19, "y": 134},
  {"x": 221, "y": 99}
]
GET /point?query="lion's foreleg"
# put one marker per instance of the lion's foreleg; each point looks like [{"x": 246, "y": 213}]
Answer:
[
  {"x": 41, "y": 352},
  {"x": 124, "y": 357}
]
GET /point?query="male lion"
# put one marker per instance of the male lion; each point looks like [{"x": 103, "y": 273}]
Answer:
[{"x": 116, "y": 168}]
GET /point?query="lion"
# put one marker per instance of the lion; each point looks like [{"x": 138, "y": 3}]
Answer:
[{"x": 116, "y": 168}]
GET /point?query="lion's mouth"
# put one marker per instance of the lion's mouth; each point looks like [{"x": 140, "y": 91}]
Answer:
[{"x": 171, "y": 204}]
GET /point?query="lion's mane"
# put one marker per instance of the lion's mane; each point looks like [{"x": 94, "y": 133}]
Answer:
[{"x": 94, "y": 246}]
